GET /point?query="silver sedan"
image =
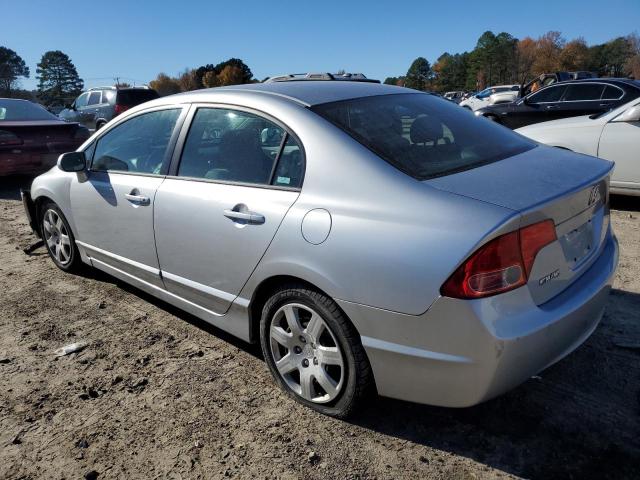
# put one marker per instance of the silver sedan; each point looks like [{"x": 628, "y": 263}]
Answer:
[{"x": 370, "y": 237}]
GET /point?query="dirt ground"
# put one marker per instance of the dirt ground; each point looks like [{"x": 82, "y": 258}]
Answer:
[{"x": 160, "y": 394}]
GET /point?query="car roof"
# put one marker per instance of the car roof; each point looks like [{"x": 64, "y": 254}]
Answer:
[
  {"x": 310, "y": 92},
  {"x": 612, "y": 80}
]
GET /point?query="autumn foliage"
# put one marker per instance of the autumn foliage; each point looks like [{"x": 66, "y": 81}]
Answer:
[{"x": 504, "y": 59}]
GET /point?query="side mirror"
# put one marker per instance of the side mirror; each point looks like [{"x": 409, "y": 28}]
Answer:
[
  {"x": 72, "y": 162},
  {"x": 630, "y": 115}
]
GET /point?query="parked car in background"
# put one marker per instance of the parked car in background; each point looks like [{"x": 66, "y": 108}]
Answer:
[
  {"x": 614, "y": 135},
  {"x": 482, "y": 99},
  {"x": 547, "y": 79},
  {"x": 488, "y": 258},
  {"x": 97, "y": 106},
  {"x": 564, "y": 99},
  {"x": 455, "y": 97},
  {"x": 31, "y": 138}
]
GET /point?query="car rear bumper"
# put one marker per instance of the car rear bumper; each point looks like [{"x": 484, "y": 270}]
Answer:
[
  {"x": 27, "y": 163},
  {"x": 463, "y": 352},
  {"x": 29, "y": 209}
]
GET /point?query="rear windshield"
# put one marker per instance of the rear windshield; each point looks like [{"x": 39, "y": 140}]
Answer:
[
  {"x": 17, "y": 110},
  {"x": 132, "y": 98},
  {"x": 423, "y": 135}
]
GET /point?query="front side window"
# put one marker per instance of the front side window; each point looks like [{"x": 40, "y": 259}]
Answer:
[
  {"x": 582, "y": 92},
  {"x": 546, "y": 95},
  {"x": 137, "y": 145},
  {"x": 484, "y": 93},
  {"x": 422, "y": 135},
  {"x": 236, "y": 146},
  {"x": 81, "y": 101}
]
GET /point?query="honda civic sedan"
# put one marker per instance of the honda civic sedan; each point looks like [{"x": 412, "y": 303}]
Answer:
[{"x": 371, "y": 238}]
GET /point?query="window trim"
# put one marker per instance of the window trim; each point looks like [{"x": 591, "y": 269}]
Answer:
[
  {"x": 562, "y": 100},
  {"x": 553, "y": 85},
  {"x": 186, "y": 126},
  {"x": 170, "y": 146}
]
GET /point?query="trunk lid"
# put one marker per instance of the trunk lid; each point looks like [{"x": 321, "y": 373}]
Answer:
[{"x": 547, "y": 183}]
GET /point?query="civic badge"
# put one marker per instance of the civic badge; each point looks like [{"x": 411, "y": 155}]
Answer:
[{"x": 594, "y": 195}]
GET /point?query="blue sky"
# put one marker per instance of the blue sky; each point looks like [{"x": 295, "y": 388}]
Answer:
[{"x": 135, "y": 40}]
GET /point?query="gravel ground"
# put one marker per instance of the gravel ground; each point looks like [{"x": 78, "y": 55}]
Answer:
[{"x": 159, "y": 394}]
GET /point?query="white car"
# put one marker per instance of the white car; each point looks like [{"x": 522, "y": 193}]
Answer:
[
  {"x": 488, "y": 96},
  {"x": 614, "y": 135}
]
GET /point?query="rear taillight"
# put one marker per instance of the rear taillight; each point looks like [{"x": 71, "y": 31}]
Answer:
[
  {"x": 9, "y": 139},
  {"x": 119, "y": 108},
  {"x": 500, "y": 265}
]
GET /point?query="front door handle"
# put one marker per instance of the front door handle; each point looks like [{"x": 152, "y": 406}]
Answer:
[
  {"x": 241, "y": 214},
  {"x": 137, "y": 199},
  {"x": 551, "y": 107}
]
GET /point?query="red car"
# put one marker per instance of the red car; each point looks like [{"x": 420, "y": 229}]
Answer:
[{"x": 31, "y": 138}]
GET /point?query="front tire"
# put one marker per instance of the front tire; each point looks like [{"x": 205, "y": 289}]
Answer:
[
  {"x": 313, "y": 351},
  {"x": 58, "y": 238}
]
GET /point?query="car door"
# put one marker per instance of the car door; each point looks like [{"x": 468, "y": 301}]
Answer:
[
  {"x": 580, "y": 99},
  {"x": 620, "y": 142},
  {"x": 72, "y": 114},
  {"x": 84, "y": 111},
  {"x": 538, "y": 106},
  {"x": 218, "y": 210},
  {"x": 112, "y": 202}
]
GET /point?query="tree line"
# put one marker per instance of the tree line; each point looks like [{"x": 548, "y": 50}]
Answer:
[
  {"x": 58, "y": 79},
  {"x": 230, "y": 72},
  {"x": 496, "y": 59},
  {"x": 504, "y": 59}
]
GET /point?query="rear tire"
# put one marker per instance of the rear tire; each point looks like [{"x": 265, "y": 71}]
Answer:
[
  {"x": 313, "y": 352},
  {"x": 58, "y": 238},
  {"x": 99, "y": 125}
]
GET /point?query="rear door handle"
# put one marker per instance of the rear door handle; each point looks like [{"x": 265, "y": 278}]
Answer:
[
  {"x": 137, "y": 199},
  {"x": 551, "y": 107},
  {"x": 251, "y": 218}
]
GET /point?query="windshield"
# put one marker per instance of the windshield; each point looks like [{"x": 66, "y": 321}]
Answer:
[
  {"x": 423, "y": 135},
  {"x": 23, "y": 110}
]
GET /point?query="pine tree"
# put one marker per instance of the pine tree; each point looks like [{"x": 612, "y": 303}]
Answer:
[{"x": 58, "y": 80}]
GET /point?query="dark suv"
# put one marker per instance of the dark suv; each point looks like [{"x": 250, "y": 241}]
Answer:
[
  {"x": 564, "y": 99},
  {"x": 97, "y": 106}
]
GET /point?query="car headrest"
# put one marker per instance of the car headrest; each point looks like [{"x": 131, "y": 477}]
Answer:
[
  {"x": 242, "y": 140},
  {"x": 426, "y": 129}
]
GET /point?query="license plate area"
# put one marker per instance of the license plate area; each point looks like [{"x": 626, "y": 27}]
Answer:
[{"x": 578, "y": 244}]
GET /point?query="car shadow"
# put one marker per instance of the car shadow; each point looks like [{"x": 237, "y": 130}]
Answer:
[
  {"x": 625, "y": 203},
  {"x": 10, "y": 186},
  {"x": 578, "y": 419},
  {"x": 98, "y": 275}
]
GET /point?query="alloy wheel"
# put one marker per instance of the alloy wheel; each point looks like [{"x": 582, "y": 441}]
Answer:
[
  {"x": 306, "y": 353},
  {"x": 56, "y": 237}
]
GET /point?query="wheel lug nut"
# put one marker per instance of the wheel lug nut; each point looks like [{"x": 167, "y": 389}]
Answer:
[
  {"x": 297, "y": 349},
  {"x": 315, "y": 361},
  {"x": 302, "y": 339},
  {"x": 305, "y": 363}
]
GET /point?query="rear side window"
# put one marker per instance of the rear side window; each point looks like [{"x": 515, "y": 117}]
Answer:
[
  {"x": 585, "y": 91},
  {"x": 94, "y": 98},
  {"x": 550, "y": 94},
  {"x": 422, "y": 135},
  {"x": 135, "y": 97},
  {"x": 236, "y": 146},
  {"x": 612, "y": 93},
  {"x": 137, "y": 145}
]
